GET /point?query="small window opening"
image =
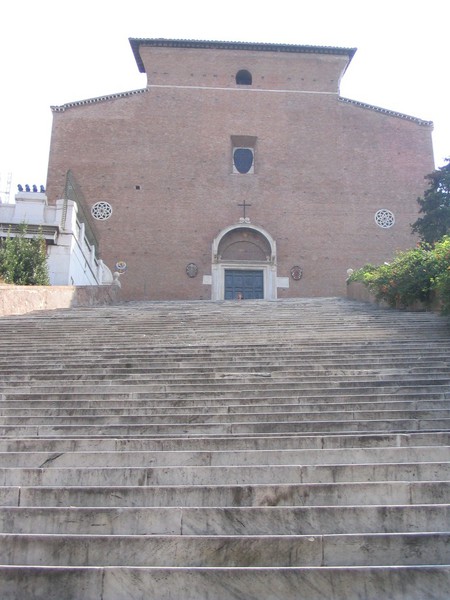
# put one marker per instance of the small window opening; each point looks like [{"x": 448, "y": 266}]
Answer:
[
  {"x": 243, "y": 160},
  {"x": 244, "y": 77}
]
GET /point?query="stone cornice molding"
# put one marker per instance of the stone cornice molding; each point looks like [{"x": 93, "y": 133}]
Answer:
[
  {"x": 97, "y": 100},
  {"x": 249, "y": 46},
  {"x": 386, "y": 111}
]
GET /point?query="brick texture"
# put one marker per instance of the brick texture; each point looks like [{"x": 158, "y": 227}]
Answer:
[{"x": 163, "y": 160}]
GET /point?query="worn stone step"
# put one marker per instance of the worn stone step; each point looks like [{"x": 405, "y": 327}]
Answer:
[
  {"x": 217, "y": 521},
  {"x": 212, "y": 372},
  {"x": 265, "y": 377},
  {"x": 228, "y": 475},
  {"x": 221, "y": 429},
  {"x": 262, "y": 386},
  {"x": 234, "y": 457},
  {"x": 272, "y": 442},
  {"x": 140, "y": 409},
  {"x": 388, "y": 493},
  {"x": 205, "y": 417},
  {"x": 289, "y": 583},
  {"x": 133, "y": 408},
  {"x": 144, "y": 401},
  {"x": 123, "y": 392},
  {"x": 289, "y": 550}
]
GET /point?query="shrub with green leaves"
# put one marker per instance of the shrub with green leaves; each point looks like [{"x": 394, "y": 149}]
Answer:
[
  {"x": 442, "y": 280},
  {"x": 23, "y": 261},
  {"x": 413, "y": 276}
]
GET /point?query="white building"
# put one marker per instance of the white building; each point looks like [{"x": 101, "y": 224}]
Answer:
[{"x": 71, "y": 248}]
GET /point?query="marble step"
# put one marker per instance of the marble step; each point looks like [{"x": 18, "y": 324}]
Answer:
[
  {"x": 142, "y": 400},
  {"x": 307, "y": 427},
  {"x": 143, "y": 410},
  {"x": 209, "y": 368},
  {"x": 173, "y": 370},
  {"x": 124, "y": 458},
  {"x": 204, "y": 417},
  {"x": 282, "y": 358},
  {"x": 234, "y": 395},
  {"x": 226, "y": 551},
  {"x": 192, "y": 443},
  {"x": 142, "y": 407},
  {"x": 389, "y": 493},
  {"x": 227, "y": 475},
  {"x": 260, "y": 385},
  {"x": 231, "y": 583},
  {"x": 219, "y": 521}
]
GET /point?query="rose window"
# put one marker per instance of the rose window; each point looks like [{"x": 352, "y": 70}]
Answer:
[
  {"x": 101, "y": 211},
  {"x": 384, "y": 218}
]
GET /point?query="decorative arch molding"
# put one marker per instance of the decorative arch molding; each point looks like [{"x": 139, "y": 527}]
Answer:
[{"x": 259, "y": 252}]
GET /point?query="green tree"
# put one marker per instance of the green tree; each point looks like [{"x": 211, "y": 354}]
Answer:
[
  {"x": 435, "y": 206},
  {"x": 23, "y": 261}
]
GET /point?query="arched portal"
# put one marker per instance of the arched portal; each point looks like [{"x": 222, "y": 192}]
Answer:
[{"x": 244, "y": 264}]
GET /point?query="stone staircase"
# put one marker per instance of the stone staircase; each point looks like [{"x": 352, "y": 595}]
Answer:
[{"x": 239, "y": 450}]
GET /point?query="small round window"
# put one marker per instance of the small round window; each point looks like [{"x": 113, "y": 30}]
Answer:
[
  {"x": 101, "y": 211},
  {"x": 384, "y": 218}
]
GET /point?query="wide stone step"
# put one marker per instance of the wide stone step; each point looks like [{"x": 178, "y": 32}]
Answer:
[
  {"x": 214, "y": 521},
  {"x": 142, "y": 409},
  {"x": 228, "y": 475},
  {"x": 265, "y": 385},
  {"x": 131, "y": 400},
  {"x": 288, "y": 551},
  {"x": 173, "y": 372},
  {"x": 251, "y": 583},
  {"x": 388, "y": 493},
  {"x": 123, "y": 392},
  {"x": 225, "y": 458},
  {"x": 167, "y": 443},
  {"x": 220, "y": 429},
  {"x": 205, "y": 417},
  {"x": 267, "y": 376}
]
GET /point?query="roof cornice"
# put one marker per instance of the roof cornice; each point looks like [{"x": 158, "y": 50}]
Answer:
[
  {"x": 98, "y": 99},
  {"x": 386, "y": 111},
  {"x": 136, "y": 43}
]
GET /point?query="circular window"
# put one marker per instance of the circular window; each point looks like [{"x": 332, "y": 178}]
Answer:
[
  {"x": 101, "y": 211},
  {"x": 384, "y": 218}
]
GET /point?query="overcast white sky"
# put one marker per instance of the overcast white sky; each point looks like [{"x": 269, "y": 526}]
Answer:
[{"x": 53, "y": 52}]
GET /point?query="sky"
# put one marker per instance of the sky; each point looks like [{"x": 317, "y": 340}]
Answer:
[{"x": 54, "y": 52}]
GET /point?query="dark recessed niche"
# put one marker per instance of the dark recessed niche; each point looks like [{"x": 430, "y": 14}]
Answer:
[
  {"x": 244, "y": 77},
  {"x": 137, "y": 187}
]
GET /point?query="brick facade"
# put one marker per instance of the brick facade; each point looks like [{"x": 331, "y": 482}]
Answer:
[{"x": 163, "y": 158}]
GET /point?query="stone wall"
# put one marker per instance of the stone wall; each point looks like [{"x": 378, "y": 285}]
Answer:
[
  {"x": 358, "y": 291},
  {"x": 21, "y": 299}
]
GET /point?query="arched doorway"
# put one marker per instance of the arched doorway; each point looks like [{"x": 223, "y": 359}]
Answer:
[{"x": 244, "y": 264}]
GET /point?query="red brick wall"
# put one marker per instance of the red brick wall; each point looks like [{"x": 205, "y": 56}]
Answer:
[{"x": 323, "y": 167}]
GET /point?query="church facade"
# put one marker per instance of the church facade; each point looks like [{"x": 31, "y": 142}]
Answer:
[{"x": 240, "y": 172}]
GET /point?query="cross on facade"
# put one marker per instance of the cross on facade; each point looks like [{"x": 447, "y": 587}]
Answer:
[{"x": 244, "y": 206}]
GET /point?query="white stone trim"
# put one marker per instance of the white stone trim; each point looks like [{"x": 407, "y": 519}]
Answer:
[
  {"x": 283, "y": 282},
  {"x": 218, "y": 267}
]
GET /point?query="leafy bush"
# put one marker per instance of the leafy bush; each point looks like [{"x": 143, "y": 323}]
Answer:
[
  {"x": 442, "y": 280},
  {"x": 23, "y": 261},
  {"x": 413, "y": 276}
]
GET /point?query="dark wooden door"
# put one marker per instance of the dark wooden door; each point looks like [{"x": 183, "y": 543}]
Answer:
[{"x": 245, "y": 284}]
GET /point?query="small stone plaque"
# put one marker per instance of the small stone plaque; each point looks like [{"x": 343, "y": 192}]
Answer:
[{"x": 191, "y": 270}]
